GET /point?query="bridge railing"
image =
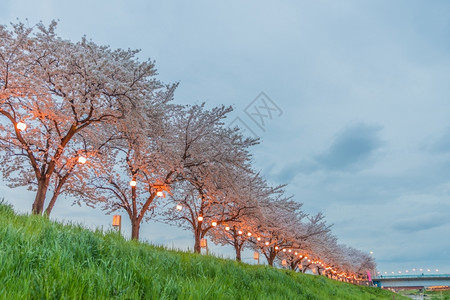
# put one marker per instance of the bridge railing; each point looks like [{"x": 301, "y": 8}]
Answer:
[{"x": 381, "y": 277}]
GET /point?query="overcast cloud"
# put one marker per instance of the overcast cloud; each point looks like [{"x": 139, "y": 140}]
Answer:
[{"x": 364, "y": 134}]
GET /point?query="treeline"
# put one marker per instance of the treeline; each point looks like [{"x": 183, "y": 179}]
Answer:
[{"x": 94, "y": 123}]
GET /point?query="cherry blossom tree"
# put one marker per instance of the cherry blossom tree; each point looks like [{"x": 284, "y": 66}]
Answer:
[
  {"x": 240, "y": 228},
  {"x": 53, "y": 91},
  {"x": 212, "y": 156}
]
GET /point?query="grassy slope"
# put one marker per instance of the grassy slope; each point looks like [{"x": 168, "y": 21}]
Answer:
[{"x": 40, "y": 259}]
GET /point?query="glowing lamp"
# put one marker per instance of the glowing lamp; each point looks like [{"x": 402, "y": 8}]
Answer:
[
  {"x": 21, "y": 126},
  {"x": 214, "y": 224},
  {"x": 133, "y": 183},
  {"x": 179, "y": 207},
  {"x": 267, "y": 243},
  {"x": 227, "y": 228},
  {"x": 82, "y": 159},
  {"x": 295, "y": 253},
  {"x": 284, "y": 250},
  {"x": 239, "y": 232},
  {"x": 258, "y": 238},
  {"x": 276, "y": 247},
  {"x": 200, "y": 218},
  {"x": 116, "y": 220},
  {"x": 249, "y": 234},
  {"x": 289, "y": 250},
  {"x": 159, "y": 194}
]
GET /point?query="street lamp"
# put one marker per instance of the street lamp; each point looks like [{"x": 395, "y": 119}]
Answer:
[
  {"x": 159, "y": 194},
  {"x": 227, "y": 228},
  {"x": 214, "y": 224},
  {"x": 133, "y": 183},
  {"x": 179, "y": 207},
  {"x": 200, "y": 218},
  {"x": 82, "y": 160},
  {"x": 239, "y": 232}
]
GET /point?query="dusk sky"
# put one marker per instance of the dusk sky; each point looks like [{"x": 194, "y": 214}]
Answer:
[{"x": 360, "y": 126}]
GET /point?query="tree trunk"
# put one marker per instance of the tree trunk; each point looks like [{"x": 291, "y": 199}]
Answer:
[
  {"x": 197, "y": 247},
  {"x": 53, "y": 200},
  {"x": 135, "y": 226},
  {"x": 238, "y": 252},
  {"x": 38, "y": 204}
]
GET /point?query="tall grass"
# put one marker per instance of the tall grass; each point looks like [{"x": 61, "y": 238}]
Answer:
[{"x": 40, "y": 259}]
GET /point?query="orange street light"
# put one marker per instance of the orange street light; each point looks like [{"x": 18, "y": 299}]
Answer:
[
  {"x": 249, "y": 234},
  {"x": 82, "y": 160},
  {"x": 21, "y": 126},
  {"x": 258, "y": 238},
  {"x": 200, "y": 218},
  {"x": 214, "y": 224},
  {"x": 239, "y": 232},
  {"x": 276, "y": 247},
  {"x": 159, "y": 194},
  {"x": 133, "y": 183},
  {"x": 267, "y": 243},
  {"x": 227, "y": 228}
]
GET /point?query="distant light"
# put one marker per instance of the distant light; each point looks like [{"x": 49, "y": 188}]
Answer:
[
  {"x": 420, "y": 270},
  {"x": 200, "y": 218},
  {"x": 414, "y": 269},
  {"x": 159, "y": 194},
  {"x": 239, "y": 232},
  {"x": 227, "y": 228},
  {"x": 258, "y": 238},
  {"x": 267, "y": 243},
  {"x": 82, "y": 159},
  {"x": 276, "y": 247},
  {"x": 179, "y": 207},
  {"x": 249, "y": 234},
  {"x": 371, "y": 252},
  {"x": 295, "y": 253},
  {"x": 133, "y": 182},
  {"x": 406, "y": 271},
  {"x": 437, "y": 270},
  {"x": 290, "y": 250},
  {"x": 428, "y": 270},
  {"x": 21, "y": 126},
  {"x": 214, "y": 224}
]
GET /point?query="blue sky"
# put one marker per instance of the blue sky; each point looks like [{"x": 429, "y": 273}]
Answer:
[{"x": 364, "y": 134}]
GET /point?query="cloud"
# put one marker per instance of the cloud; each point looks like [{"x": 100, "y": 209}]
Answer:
[
  {"x": 353, "y": 146},
  {"x": 440, "y": 144},
  {"x": 349, "y": 151},
  {"x": 420, "y": 223}
]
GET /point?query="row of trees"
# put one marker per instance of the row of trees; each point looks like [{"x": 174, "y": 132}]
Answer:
[{"x": 85, "y": 121}]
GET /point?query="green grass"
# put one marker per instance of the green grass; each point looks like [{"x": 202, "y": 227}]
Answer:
[{"x": 40, "y": 259}]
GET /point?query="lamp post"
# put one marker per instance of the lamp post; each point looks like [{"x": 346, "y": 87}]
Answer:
[{"x": 117, "y": 222}]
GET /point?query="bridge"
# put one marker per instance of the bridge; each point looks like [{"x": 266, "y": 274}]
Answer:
[{"x": 412, "y": 281}]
